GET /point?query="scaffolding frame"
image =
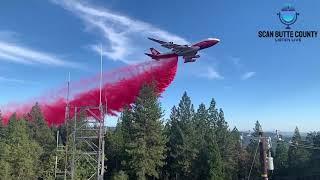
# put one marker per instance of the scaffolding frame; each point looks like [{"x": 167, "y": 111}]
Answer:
[
  {"x": 87, "y": 143},
  {"x": 93, "y": 151},
  {"x": 92, "y": 143}
]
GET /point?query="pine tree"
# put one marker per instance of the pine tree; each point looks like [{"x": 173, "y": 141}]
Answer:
[
  {"x": 235, "y": 134},
  {"x": 240, "y": 156},
  {"x": 227, "y": 146},
  {"x": 213, "y": 114},
  {"x": 4, "y": 149},
  {"x": 147, "y": 148},
  {"x": 174, "y": 145},
  {"x": 281, "y": 158},
  {"x": 40, "y": 130},
  {"x": 188, "y": 153},
  {"x": 23, "y": 152},
  {"x": 185, "y": 109},
  {"x": 126, "y": 124},
  {"x": 313, "y": 139},
  {"x": 44, "y": 136},
  {"x": 257, "y": 128},
  {"x": 221, "y": 123},
  {"x": 201, "y": 124},
  {"x": 208, "y": 164},
  {"x": 3, "y": 129},
  {"x": 221, "y": 132},
  {"x": 115, "y": 150},
  {"x": 298, "y": 157},
  {"x": 126, "y": 131},
  {"x": 182, "y": 139}
]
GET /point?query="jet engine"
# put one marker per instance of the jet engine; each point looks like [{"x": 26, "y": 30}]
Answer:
[{"x": 191, "y": 57}]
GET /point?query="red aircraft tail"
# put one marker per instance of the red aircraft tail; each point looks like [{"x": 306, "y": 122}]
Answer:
[
  {"x": 154, "y": 51},
  {"x": 154, "y": 54}
]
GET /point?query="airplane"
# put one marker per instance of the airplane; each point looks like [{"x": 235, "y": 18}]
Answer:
[{"x": 188, "y": 52}]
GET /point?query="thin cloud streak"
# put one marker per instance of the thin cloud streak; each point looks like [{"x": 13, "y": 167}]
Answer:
[
  {"x": 25, "y": 55},
  {"x": 248, "y": 75},
  {"x": 7, "y": 57},
  {"x": 11, "y": 80},
  {"x": 122, "y": 34}
]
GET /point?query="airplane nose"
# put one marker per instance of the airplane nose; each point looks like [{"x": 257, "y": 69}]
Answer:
[{"x": 215, "y": 41}]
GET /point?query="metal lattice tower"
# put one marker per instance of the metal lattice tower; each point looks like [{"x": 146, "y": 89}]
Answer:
[
  {"x": 86, "y": 144},
  {"x": 87, "y": 140},
  {"x": 61, "y": 160}
]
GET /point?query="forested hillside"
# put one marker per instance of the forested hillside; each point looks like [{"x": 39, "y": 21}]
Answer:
[{"x": 194, "y": 143}]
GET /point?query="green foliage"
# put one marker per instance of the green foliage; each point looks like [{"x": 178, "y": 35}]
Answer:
[
  {"x": 228, "y": 148},
  {"x": 2, "y": 128},
  {"x": 192, "y": 145},
  {"x": 187, "y": 145},
  {"x": 185, "y": 109},
  {"x": 146, "y": 150},
  {"x": 44, "y": 136},
  {"x": 84, "y": 168},
  {"x": 281, "y": 158},
  {"x": 117, "y": 142},
  {"x": 313, "y": 139},
  {"x": 121, "y": 175},
  {"x": 257, "y": 129},
  {"x": 115, "y": 150},
  {"x": 239, "y": 156},
  {"x": 207, "y": 164},
  {"x": 21, "y": 152},
  {"x": 39, "y": 129},
  {"x": 182, "y": 140},
  {"x": 298, "y": 157},
  {"x": 213, "y": 114},
  {"x": 4, "y": 164},
  {"x": 174, "y": 145},
  {"x": 243, "y": 164}
]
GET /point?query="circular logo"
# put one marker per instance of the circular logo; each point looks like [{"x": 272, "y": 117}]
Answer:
[{"x": 288, "y": 15}]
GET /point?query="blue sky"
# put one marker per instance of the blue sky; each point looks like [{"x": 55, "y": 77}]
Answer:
[{"x": 250, "y": 78}]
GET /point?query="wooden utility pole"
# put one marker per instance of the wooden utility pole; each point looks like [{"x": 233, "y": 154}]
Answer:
[{"x": 263, "y": 156}]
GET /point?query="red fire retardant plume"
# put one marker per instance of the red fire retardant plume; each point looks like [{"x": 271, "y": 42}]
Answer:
[{"x": 121, "y": 89}]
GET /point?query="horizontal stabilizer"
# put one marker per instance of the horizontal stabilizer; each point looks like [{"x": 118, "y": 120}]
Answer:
[{"x": 152, "y": 56}]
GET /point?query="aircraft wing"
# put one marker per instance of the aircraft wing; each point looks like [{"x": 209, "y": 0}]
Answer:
[
  {"x": 169, "y": 45},
  {"x": 156, "y": 40}
]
